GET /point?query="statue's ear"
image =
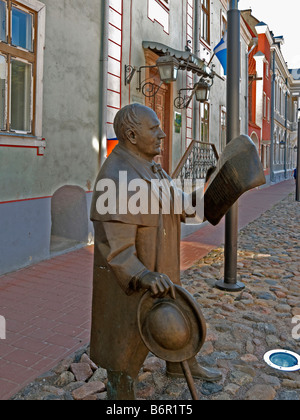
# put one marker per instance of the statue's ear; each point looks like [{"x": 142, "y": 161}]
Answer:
[{"x": 131, "y": 136}]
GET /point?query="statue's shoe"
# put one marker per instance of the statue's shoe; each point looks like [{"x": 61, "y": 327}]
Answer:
[{"x": 174, "y": 370}]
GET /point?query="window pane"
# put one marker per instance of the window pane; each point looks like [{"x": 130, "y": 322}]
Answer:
[
  {"x": 3, "y": 79},
  {"x": 21, "y": 29},
  {"x": 20, "y": 96},
  {"x": 204, "y": 26},
  {"x": 2, "y": 21}
]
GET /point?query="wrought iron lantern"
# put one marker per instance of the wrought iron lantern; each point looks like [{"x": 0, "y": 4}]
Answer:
[
  {"x": 282, "y": 144},
  {"x": 202, "y": 91},
  {"x": 168, "y": 67}
]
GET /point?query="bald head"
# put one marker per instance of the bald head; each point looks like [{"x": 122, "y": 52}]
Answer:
[
  {"x": 129, "y": 118},
  {"x": 137, "y": 127}
]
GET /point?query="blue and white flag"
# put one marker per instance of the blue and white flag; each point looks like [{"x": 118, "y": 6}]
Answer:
[{"x": 221, "y": 52}]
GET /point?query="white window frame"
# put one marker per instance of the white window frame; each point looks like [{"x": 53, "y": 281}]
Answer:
[
  {"x": 207, "y": 12},
  {"x": 264, "y": 105},
  {"x": 30, "y": 140},
  {"x": 267, "y": 70},
  {"x": 159, "y": 12}
]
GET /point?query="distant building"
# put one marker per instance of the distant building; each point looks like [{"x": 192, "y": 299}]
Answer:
[
  {"x": 286, "y": 92},
  {"x": 273, "y": 99}
]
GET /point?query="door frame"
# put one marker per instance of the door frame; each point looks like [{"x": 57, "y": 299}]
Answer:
[{"x": 151, "y": 58}]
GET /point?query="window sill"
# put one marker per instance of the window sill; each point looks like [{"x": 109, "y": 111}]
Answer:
[
  {"x": 205, "y": 44},
  {"x": 23, "y": 140}
]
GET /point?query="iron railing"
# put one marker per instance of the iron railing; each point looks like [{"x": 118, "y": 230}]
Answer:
[{"x": 197, "y": 160}]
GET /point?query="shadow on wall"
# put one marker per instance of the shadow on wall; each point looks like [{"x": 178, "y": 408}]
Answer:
[{"x": 69, "y": 219}]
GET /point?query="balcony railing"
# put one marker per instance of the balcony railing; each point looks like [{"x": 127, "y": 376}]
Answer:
[
  {"x": 196, "y": 161},
  {"x": 293, "y": 126}
]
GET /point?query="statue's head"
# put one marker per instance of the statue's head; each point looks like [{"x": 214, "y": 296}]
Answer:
[{"x": 137, "y": 127}]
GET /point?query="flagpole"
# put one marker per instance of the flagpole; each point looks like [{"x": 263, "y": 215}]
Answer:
[
  {"x": 211, "y": 60},
  {"x": 230, "y": 282}
]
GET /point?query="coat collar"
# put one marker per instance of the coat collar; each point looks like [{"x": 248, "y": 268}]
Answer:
[{"x": 147, "y": 170}]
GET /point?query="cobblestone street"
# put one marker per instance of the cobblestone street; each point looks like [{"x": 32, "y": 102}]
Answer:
[{"x": 242, "y": 326}]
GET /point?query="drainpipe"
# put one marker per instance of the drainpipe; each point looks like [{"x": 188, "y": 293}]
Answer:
[
  {"x": 298, "y": 164},
  {"x": 286, "y": 128},
  {"x": 103, "y": 82},
  {"x": 255, "y": 42},
  {"x": 196, "y": 122},
  {"x": 272, "y": 119}
]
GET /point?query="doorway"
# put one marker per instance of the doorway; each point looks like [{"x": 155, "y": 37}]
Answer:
[{"x": 160, "y": 103}]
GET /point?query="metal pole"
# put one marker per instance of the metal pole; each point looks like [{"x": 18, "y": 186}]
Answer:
[
  {"x": 285, "y": 134},
  {"x": 298, "y": 165},
  {"x": 103, "y": 82},
  {"x": 196, "y": 122},
  {"x": 230, "y": 282}
]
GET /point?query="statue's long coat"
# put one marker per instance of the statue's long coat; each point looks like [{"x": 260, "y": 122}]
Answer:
[{"x": 126, "y": 245}]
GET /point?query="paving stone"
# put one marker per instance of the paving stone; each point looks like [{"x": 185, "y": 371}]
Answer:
[
  {"x": 288, "y": 396},
  {"x": 153, "y": 364},
  {"x": 81, "y": 371},
  {"x": 64, "y": 379},
  {"x": 261, "y": 392},
  {"x": 88, "y": 389},
  {"x": 99, "y": 375},
  {"x": 210, "y": 388},
  {"x": 85, "y": 359}
]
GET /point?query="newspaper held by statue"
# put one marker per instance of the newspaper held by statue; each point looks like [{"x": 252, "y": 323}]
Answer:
[{"x": 238, "y": 170}]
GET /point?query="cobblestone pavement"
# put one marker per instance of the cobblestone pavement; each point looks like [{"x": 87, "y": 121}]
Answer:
[{"x": 242, "y": 326}]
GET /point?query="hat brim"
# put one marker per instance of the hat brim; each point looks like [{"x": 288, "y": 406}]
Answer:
[{"x": 193, "y": 317}]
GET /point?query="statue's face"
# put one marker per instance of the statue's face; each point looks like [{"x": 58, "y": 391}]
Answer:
[{"x": 149, "y": 135}]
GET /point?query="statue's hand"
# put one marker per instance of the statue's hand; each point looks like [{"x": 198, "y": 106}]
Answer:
[{"x": 158, "y": 284}]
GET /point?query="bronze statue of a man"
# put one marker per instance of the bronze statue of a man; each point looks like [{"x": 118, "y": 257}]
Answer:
[{"x": 133, "y": 253}]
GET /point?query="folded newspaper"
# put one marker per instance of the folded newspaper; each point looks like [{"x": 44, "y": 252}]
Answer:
[{"x": 238, "y": 170}]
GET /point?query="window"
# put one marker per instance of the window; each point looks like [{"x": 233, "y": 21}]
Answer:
[
  {"x": 295, "y": 117},
  {"x": 223, "y": 24},
  {"x": 265, "y": 106},
  {"x": 280, "y": 101},
  {"x": 223, "y": 128},
  {"x": 205, "y": 21},
  {"x": 158, "y": 11},
  {"x": 205, "y": 122},
  {"x": 268, "y": 109},
  {"x": 267, "y": 70},
  {"x": 21, "y": 64}
]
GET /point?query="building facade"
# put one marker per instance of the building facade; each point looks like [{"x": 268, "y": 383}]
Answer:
[
  {"x": 273, "y": 101},
  {"x": 49, "y": 55},
  {"x": 152, "y": 28},
  {"x": 284, "y": 115},
  {"x": 65, "y": 72},
  {"x": 260, "y": 87}
]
